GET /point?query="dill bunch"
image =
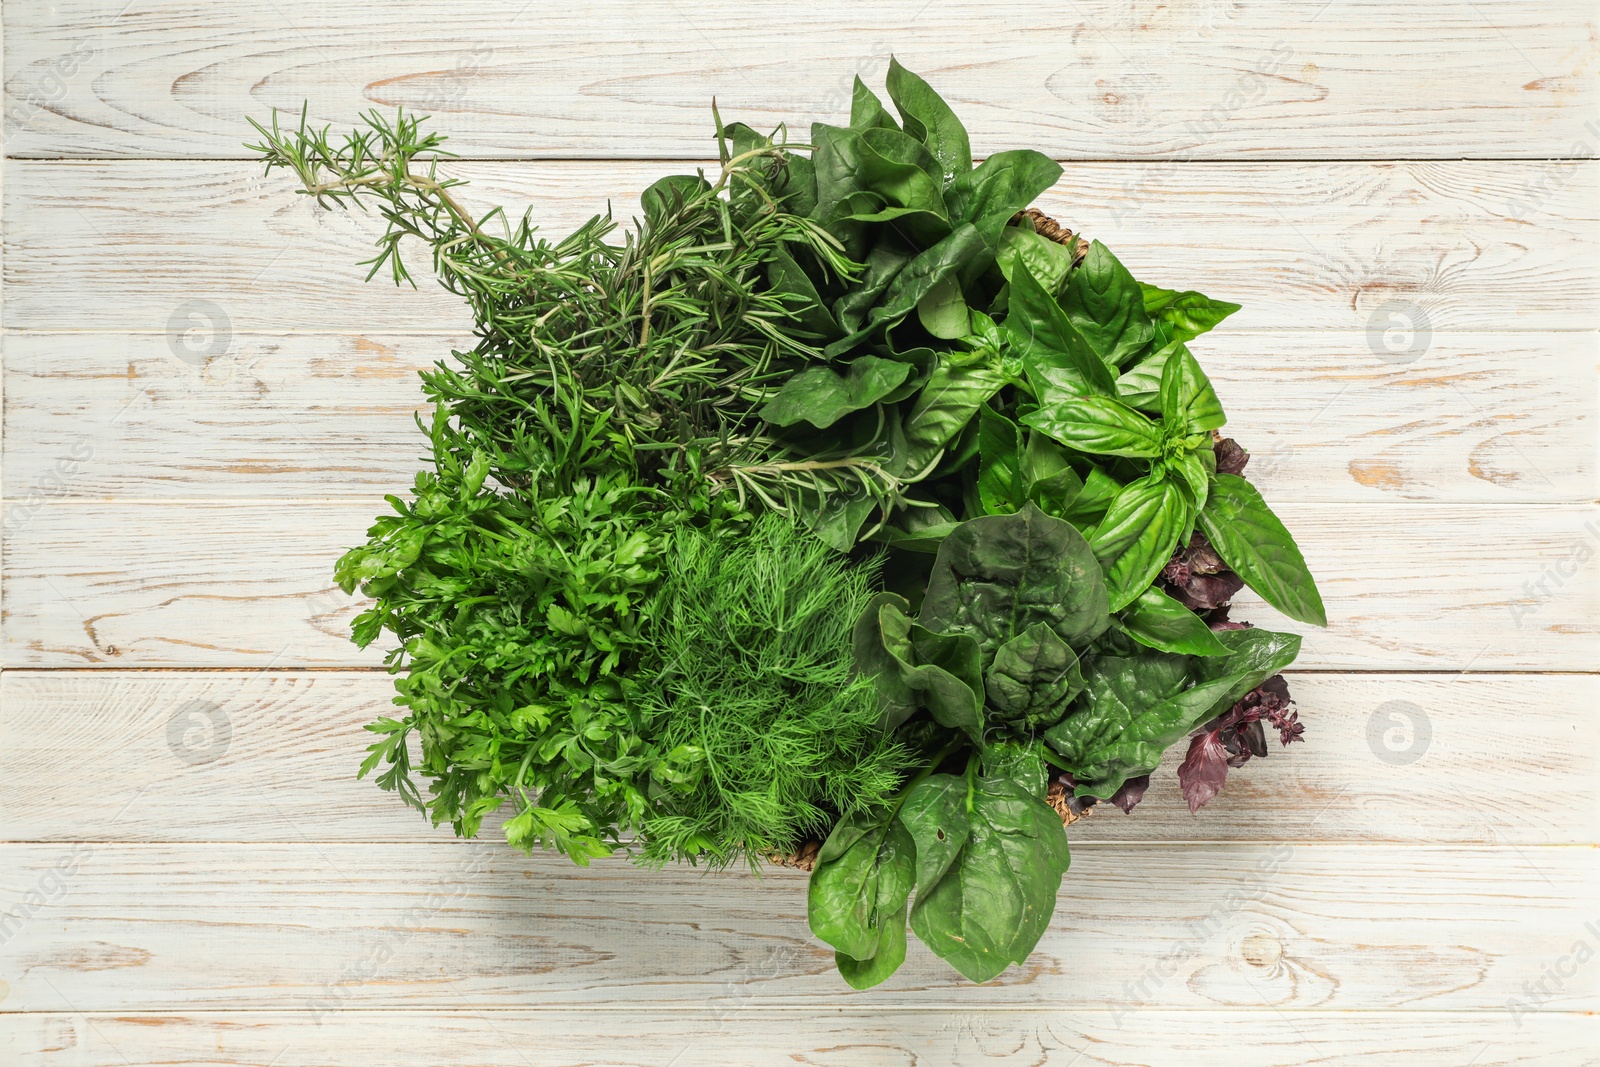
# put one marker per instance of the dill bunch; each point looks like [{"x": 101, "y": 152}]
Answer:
[{"x": 757, "y": 697}]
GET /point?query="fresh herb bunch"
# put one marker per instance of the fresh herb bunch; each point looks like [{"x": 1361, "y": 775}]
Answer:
[
  {"x": 758, "y": 697},
  {"x": 610, "y": 395},
  {"x": 848, "y": 495}
]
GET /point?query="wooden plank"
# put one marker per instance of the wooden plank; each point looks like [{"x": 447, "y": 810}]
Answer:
[
  {"x": 147, "y": 244},
  {"x": 735, "y": 1036},
  {"x": 248, "y": 584},
  {"x": 271, "y": 756},
  {"x": 1480, "y": 417},
  {"x": 317, "y": 927},
  {"x": 1094, "y": 79}
]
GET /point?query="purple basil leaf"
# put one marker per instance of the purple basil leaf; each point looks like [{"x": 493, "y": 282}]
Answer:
[
  {"x": 1254, "y": 738},
  {"x": 1231, "y": 456},
  {"x": 1131, "y": 793},
  {"x": 1204, "y": 769}
]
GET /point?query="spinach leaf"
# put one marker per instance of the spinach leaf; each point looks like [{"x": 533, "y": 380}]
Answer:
[
  {"x": 837, "y": 518},
  {"x": 996, "y": 189},
  {"x": 1253, "y": 541},
  {"x": 929, "y": 119},
  {"x": 867, "y": 111},
  {"x": 811, "y": 313},
  {"x": 952, "y": 396},
  {"x": 1157, "y": 620},
  {"x": 1188, "y": 402},
  {"x": 935, "y": 814},
  {"x": 1189, "y": 314},
  {"x": 1000, "y": 481},
  {"x": 942, "y": 310},
  {"x": 667, "y": 195},
  {"x": 890, "y": 954},
  {"x": 1138, "y": 535},
  {"x": 883, "y": 264},
  {"x": 997, "y": 575},
  {"x": 1059, "y": 361},
  {"x": 1138, "y": 706},
  {"x": 1048, "y": 261},
  {"x": 822, "y": 397},
  {"x": 862, "y": 879},
  {"x": 1107, "y": 306},
  {"x": 995, "y": 899},
  {"x": 1033, "y": 678},
  {"x": 1098, "y": 424},
  {"x": 928, "y": 269},
  {"x": 913, "y": 667},
  {"x": 949, "y": 674}
]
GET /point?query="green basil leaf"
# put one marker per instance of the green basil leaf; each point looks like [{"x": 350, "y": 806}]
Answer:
[
  {"x": 929, "y": 119},
  {"x": 1188, "y": 402},
  {"x": 1088, "y": 507},
  {"x": 996, "y": 189},
  {"x": 997, "y": 575},
  {"x": 984, "y": 330},
  {"x": 1138, "y": 535},
  {"x": 861, "y": 881},
  {"x": 1157, "y": 620},
  {"x": 867, "y": 111},
  {"x": 943, "y": 310},
  {"x": 1033, "y": 678},
  {"x": 995, "y": 901},
  {"x": 1107, "y": 306},
  {"x": 891, "y": 953},
  {"x": 1190, "y": 314},
  {"x": 1000, "y": 483},
  {"x": 935, "y": 814},
  {"x": 1059, "y": 361},
  {"x": 1047, "y": 475},
  {"x": 1099, "y": 425},
  {"x": 1140, "y": 386},
  {"x": 1193, "y": 478},
  {"x": 1253, "y": 541},
  {"x": 1048, "y": 261},
  {"x": 822, "y": 397}
]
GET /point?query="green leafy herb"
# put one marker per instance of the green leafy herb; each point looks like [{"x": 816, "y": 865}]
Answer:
[{"x": 843, "y": 497}]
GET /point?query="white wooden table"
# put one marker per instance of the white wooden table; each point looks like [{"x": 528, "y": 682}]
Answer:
[{"x": 204, "y": 405}]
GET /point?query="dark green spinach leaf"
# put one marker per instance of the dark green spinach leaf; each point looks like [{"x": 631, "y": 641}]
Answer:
[{"x": 997, "y": 575}]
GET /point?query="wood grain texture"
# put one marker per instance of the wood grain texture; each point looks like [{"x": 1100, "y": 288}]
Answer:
[
  {"x": 856, "y": 1037},
  {"x": 1204, "y": 80},
  {"x": 165, "y": 927},
  {"x": 249, "y": 584},
  {"x": 1486, "y": 417},
  {"x": 271, "y": 756},
  {"x": 130, "y": 245}
]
